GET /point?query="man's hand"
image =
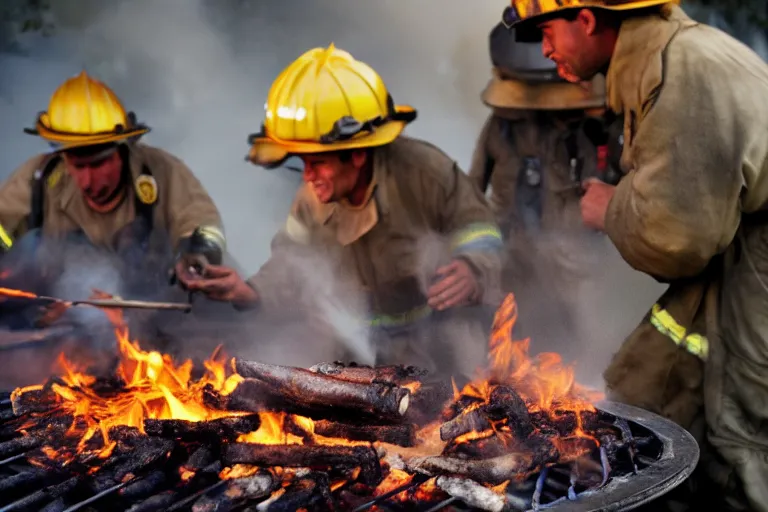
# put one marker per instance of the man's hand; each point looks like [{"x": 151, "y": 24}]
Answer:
[
  {"x": 457, "y": 285},
  {"x": 219, "y": 283},
  {"x": 594, "y": 203}
]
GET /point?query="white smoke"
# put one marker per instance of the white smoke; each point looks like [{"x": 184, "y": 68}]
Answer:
[{"x": 198, "y": 71}]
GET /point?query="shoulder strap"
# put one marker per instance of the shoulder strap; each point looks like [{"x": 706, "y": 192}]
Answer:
[{"x": 39, "y": 179}]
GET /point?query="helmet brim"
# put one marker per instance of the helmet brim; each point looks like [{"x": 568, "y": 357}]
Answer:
[
  {"x": 267, "y": 151},
  {"x": 530, "y": 23},
  {"x": 517, "y": 94},
  {"x": 65, "y": 141}
]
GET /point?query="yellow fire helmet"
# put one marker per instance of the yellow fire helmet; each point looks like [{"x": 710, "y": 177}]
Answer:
[
  {"x": 85, "y": 112},
  {"x": 326, "y": 101},
  {"x": 540, "y": 10}
]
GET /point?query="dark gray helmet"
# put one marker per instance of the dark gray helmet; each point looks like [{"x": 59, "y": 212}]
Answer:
[{"x": 520, "y": 60}]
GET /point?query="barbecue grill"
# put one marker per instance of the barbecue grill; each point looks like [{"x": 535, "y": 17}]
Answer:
[{"x": 664, "y": 455}]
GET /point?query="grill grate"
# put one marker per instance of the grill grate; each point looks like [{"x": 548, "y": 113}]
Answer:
[{"x": 663, "y": 456}]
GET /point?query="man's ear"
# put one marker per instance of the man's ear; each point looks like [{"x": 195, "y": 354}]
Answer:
[
  {"x": 588, "y": 21},
  {"x": 359, "y": 158}
]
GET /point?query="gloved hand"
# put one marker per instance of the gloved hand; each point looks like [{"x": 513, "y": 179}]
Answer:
[{"x": 196, "y": 252}]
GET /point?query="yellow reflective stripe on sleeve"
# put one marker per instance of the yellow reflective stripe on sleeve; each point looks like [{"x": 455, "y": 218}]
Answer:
[
  {"x": 401, "y": 319},
  {"x": 696, "y": 344},
  {"x": 480, "y": 235},
  {"x": 297, "y": 231},
  {"x": 214, "y": 234},
  {"x": 5, "y": 239}
]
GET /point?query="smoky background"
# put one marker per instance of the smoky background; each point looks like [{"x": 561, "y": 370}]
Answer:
[{"x": 198, "y": 72}]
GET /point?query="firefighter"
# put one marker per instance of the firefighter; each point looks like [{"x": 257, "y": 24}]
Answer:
[
  {"x": 690, "y": 212},
  {"x": 543, "y": 139},
  {"x": 373, "y": 200},
  {"x": 102, "y": 188}
]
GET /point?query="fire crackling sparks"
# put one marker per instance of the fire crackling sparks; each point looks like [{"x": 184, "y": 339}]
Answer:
[{"x": 329, "y": 437}]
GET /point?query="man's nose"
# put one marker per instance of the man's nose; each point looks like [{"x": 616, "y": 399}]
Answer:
[
  {"x": 84, "y": 178},
  {"x": 546, "y": 47}
]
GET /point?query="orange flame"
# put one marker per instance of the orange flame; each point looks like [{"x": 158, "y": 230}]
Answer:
[
  {"x": 154, "y": 387},
  {"x": 545, "y": 383}
]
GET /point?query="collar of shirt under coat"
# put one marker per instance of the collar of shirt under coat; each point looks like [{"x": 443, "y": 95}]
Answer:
[{"x": 350, "y": 223}]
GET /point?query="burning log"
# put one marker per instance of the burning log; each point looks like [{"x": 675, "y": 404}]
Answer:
[
  {"x": 303, "y": 456},
  {"x": 506, "y": 405},
  {"x": 400, "y": 435},
  {"x": 41, "y": 399},
  {"x": 393, "y": 374},
  {"x": 473, "y": 494},
  {"x": 236, "y": 492},
  {"x": 472, "y": 421},
  {"x": 142, "y": 457},
  {"x": 493, "y": 470},
  {"x": 220, "y": 429},
  {"x": 316, "y": 390}
]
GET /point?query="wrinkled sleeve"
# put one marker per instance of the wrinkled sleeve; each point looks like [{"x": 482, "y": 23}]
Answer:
[
  {"x": 482, "y": 163},
  {"x": 464, "y": 215},
  {"x": 679, "y": 204},
  {"x": 277, "y": 281},
  {"x": 15, "y": 202},
  {"x": 191, "y": 207}
]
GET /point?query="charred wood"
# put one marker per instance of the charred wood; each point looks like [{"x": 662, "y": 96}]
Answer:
[
  {"x": 472, "y": 421},
  {"x": 214, "y": 468},
  {"x": 481, "y": 448},
  {"x": 494, "y": 470},
  {"x": 144, "y": 487},
  {"x": 143, "y": 457},
  {"x": 36, "y": 400},
  {"x": 473, "y": 494},
  {"x": 156, "y": 503},
  {"x": 393, "y": 374},
  {"x": 317, "y": 390},
  {"x": 20, "y": 481},
  {"x": 199, "y": 459},
  {"x": 57, "y": 505},
  {"x": 311, "y": 492},
  {"x": 401, "y": 435},
  {"x": 428, "y": 402},
  {"x": 20, "y": 444},
  {"x": 316, "y": 457},
  {"x": 36, "y": 499},
  {"x": 237, "y": 492},
  {"x": 458, "y": 406},
  {"x": 226, "y": 429},
  {"x": 505, "y": 404}
]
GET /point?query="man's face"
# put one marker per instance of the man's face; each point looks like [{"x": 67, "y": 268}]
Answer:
[
  {"x": 330, "y": 177},
  {"x": 569, "y": 44},
  {"x": 98, "y": 176}
]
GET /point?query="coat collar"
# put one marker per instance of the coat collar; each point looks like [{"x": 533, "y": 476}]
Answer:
[
  {"x": 636, "y": 62},
  {"x": 350, "y": 222}
]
